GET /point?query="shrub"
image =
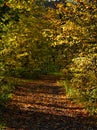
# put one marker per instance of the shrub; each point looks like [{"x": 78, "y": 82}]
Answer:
[
  {"x": 83, "y": 84},
  {"x": 5, "y": 90}
]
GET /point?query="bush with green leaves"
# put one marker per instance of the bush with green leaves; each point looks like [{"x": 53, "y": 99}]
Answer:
[
  {"x": 84, "y": 81},
  {"x": 5, "y": 90}
]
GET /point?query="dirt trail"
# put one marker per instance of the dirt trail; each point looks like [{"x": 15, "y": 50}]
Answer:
[{"x": 43, "y": 105}]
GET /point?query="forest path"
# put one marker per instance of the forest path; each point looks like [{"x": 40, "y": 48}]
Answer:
[{"x": 43, "y": 105}]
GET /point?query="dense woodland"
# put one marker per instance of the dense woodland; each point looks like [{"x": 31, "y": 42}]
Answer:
[{"x": 38, "y": 39}]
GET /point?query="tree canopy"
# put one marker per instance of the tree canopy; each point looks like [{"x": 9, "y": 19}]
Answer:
[{"x": 35, "y": 40}]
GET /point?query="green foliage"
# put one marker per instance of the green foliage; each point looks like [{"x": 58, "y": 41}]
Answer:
[
  {"x": 85, "y": 80},
  {"x": 5, "y": 90},
  {"x": 77, "y": 29},
  {"x": 24, "y": 49},
  {"x": 1, "y": 1},
  {"x": 2, "y": 125},
  {"x": 35, "y": 40}
]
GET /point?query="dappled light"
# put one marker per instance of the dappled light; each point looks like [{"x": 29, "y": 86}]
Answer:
[
  {"x": 48, "y": 64},
  {"x": 47, "y": 109}
]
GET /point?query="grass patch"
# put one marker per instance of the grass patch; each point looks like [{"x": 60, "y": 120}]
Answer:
[{"x": 56, "y": 74}]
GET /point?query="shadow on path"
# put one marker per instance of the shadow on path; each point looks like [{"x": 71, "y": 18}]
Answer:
[{"x": 42, "y": 105}]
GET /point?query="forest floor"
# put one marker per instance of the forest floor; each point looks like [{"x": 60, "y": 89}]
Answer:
[{"x": 43, "y": 105}]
